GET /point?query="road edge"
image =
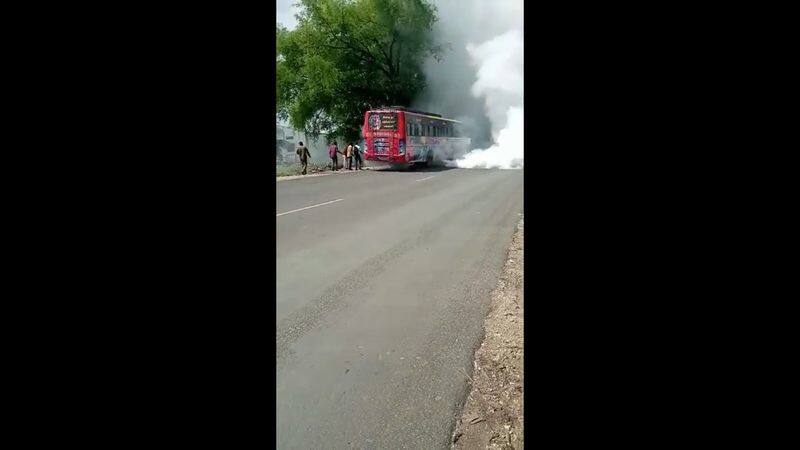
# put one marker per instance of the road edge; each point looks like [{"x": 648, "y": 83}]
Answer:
[
  {"x": 317, "y": 174},
  {"x": 492, "y": 416}
]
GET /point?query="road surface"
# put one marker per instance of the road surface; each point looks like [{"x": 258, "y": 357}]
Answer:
[{"x": 383, "y": 281}]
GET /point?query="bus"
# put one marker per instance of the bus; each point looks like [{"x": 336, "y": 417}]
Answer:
[{"x": 400, "y": 137}]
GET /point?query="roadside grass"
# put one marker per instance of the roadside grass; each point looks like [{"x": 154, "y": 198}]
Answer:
[{"x": 285, "y": 170}]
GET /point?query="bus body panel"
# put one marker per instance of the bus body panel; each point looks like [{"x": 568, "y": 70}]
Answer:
[
  {"x": 382, "y": 140},
  {"x": 398, "y": 136}
]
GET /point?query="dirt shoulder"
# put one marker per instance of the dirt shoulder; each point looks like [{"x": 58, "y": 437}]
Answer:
[
  {"x": 316, "y": 172},
  {"x": 493, "y": 413},
  {"x": 294, "y": 169}
]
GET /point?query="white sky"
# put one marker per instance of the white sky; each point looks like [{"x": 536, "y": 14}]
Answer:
[{"x": 284, "y": 13}]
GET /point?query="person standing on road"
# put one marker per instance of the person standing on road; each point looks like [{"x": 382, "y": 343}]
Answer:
[
  {"x": 357, "y": 154},
  {"x": 303, "y": 153},
  {"x": 332, "y": 152},
  {"x": 349, "y": 156}
]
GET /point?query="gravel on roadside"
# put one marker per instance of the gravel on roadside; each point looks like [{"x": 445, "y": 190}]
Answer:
[{"x": 492, "y": 417}]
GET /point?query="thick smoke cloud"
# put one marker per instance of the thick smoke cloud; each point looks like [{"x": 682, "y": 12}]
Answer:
[{"x": 480, "y": 79}]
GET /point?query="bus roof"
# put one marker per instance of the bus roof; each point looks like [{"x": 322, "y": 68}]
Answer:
[
  {"x": 414, "y": 112},
  {"x": 424, "y": 113}
]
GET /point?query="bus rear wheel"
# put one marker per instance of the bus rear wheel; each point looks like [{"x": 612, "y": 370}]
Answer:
[{"x": 428, "y": 160}]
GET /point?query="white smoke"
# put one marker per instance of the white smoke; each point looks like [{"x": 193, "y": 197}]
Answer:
[
  {"x": 500, "y": 83},
  {"x": 486, "y": 61},
  {"x": 507, "y": 152}
]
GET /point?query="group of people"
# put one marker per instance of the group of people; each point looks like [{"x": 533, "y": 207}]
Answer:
[{"x": 350, "y": 153}]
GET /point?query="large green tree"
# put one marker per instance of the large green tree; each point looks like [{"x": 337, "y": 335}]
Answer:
[{"x": 347, "y": 56}]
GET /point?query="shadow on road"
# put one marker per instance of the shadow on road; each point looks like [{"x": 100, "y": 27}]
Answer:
[{"x": 433, "y": 168}]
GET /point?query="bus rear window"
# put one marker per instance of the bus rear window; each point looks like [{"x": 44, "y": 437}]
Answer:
[{"x": 382, "y": 121}]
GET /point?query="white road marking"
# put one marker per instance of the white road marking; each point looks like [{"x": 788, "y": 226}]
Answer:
[
  {"x": 312, "y": 206},
  {"x": 426, "y": 178}
]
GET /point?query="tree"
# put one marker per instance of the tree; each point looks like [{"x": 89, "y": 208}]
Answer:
[{"x": 347, "y": 56}]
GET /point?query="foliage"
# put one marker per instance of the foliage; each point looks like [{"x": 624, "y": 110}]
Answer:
[{"x": 347, "y": 56}]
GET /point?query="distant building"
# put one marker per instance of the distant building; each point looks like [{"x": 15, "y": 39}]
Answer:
[
  {"x": 286, "y": 139},
  {"x": 284, "y": 145}
]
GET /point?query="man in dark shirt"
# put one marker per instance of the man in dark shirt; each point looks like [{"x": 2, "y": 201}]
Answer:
[
  {"x": 357, "y": 155},
  {"x": 303, "y": 153}
]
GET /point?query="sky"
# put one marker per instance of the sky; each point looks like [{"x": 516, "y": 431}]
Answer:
[{"x": 284, "y": 13}]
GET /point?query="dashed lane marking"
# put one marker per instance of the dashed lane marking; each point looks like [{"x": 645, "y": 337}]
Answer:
[{"x": 309, "y": 207}]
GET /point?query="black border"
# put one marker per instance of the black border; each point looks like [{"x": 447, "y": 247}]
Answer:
[
  {"x": 173, "y": 224},
  {"x": 177, "y": 226}
]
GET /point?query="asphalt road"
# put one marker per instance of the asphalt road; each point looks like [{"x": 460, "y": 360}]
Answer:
[{"x": 381, "y": 296}]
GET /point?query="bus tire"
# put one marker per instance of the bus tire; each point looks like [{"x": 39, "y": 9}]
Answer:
[{"x": 428, "y": 159}]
